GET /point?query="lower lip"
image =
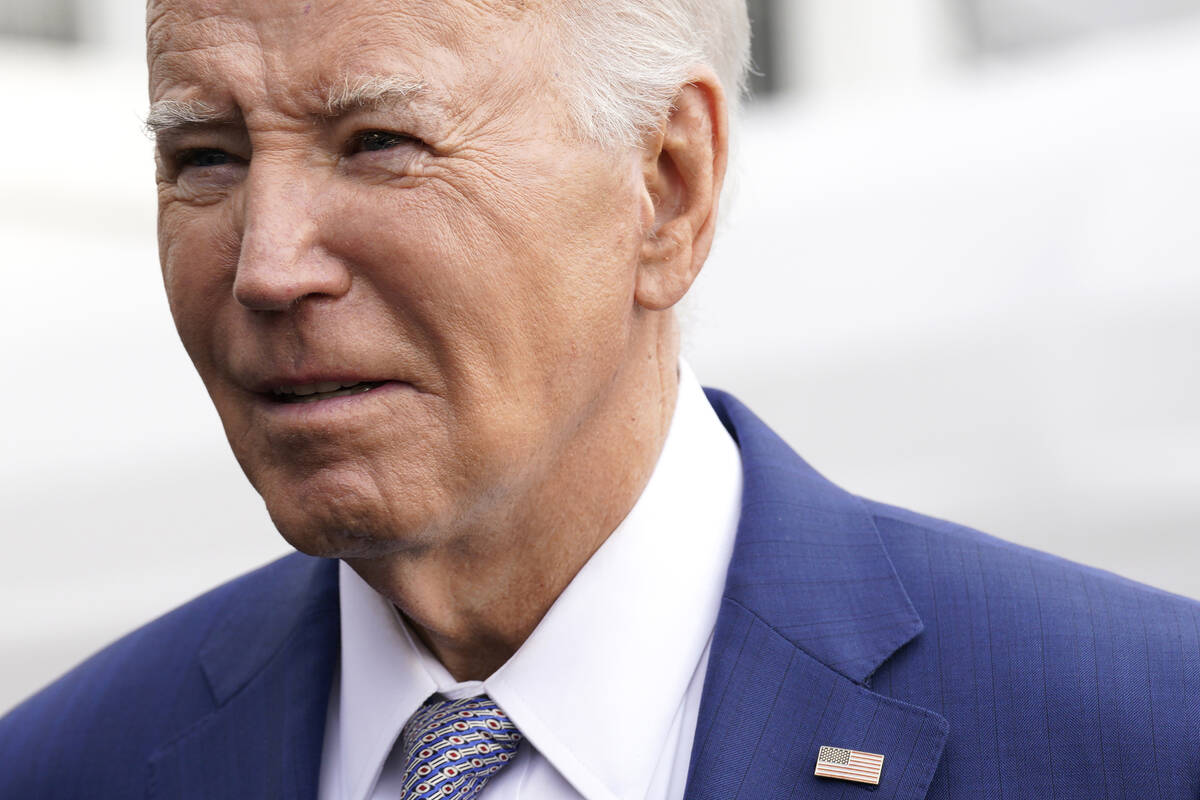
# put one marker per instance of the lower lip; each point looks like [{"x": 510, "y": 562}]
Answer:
[{"x": 340, "y": 405}]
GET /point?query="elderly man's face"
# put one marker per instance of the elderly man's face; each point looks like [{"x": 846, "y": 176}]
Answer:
[{"x": 403, "y": 281}]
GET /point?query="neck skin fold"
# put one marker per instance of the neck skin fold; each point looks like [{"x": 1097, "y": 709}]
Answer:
[{"x": 474, "y": 601}]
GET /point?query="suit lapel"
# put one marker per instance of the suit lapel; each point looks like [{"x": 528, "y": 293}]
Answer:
[
  {"x": 270, "y": 666},
  {"x": 812, "y": 607}
]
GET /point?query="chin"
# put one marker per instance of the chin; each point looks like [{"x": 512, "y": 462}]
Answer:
[
  {"x": 324, "y": 537},
  {"x": 345, "y": 524},
  {"x": 368, "y": 507}
]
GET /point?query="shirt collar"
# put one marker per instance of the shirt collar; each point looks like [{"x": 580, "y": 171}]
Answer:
[
  {"x": 596, "y": 686},
  {"x": 383, "y": 681}
]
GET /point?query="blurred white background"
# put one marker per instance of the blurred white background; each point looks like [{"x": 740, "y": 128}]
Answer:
[{"x": 958, "y": 273}]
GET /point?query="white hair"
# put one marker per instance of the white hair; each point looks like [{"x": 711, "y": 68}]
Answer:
[{"x": 627, "y": 59}]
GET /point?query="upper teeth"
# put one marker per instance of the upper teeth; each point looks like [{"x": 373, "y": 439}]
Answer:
[{"x": 313, "y": 388}]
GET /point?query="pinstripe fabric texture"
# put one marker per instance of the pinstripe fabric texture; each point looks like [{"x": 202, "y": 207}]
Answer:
[
  {"x": 979, "y": 669},
  {"x": 224, "y": 697},
  {"x": 1060, "y": 681}
]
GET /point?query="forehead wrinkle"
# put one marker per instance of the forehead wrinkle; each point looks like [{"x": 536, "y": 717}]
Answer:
[
  {"x": 181, "y": 41},
  {"x": 172, "y": 31},
  {"x": 511, "y": 8}
]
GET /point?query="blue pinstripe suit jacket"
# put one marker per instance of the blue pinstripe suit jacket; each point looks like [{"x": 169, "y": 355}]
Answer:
[{"x": 977, "y": 668}]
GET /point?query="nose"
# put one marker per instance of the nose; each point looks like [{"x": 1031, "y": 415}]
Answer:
[{"x": 282, "y": 259}]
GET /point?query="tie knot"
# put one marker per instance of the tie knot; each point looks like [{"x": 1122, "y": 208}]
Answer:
[{"x": 454, "y": 746}]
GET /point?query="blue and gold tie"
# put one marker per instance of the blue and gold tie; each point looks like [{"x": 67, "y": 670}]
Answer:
[{"x": 454, "y": 746}]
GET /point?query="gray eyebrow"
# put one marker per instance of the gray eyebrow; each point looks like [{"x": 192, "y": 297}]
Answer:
[
  {"x": 166, "y": 115},
  {"x": 351, "y": 94},
  {"x": 371, "y": 92}
]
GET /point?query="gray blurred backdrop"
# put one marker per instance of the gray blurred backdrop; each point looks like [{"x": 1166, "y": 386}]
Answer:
[{"x": 958, "y": 272}]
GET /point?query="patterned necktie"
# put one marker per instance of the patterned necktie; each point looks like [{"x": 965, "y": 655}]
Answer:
[{"x": 454, "y": 746}]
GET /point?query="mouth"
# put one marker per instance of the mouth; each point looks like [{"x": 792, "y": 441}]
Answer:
[{"x": 314, "y": 392}]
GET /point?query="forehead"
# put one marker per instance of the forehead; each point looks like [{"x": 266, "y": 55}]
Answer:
[{"x": 278, "y": 45}]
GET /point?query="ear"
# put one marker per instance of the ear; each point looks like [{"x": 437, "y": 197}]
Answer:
[{"x": 683, "y": 168}]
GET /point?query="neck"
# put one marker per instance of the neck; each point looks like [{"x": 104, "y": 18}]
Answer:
[{"x": 474, "y": 601}]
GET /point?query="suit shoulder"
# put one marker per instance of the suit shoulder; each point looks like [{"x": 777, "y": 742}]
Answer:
[
  {"x": 949, "y": 553},
  {"x": 105, "y": 715},
  {"x": 1043, "y": 627},
  {"x": 1081, "y": 665}
]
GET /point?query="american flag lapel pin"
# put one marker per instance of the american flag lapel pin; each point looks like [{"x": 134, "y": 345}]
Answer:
[{"x": 849, "y": 765}]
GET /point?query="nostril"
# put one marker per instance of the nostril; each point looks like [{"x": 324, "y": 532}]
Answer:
[
  {"x": 275, "y": 280},
  {"x": 281, "y": 256},
  {"x": 262, "y": 295}
]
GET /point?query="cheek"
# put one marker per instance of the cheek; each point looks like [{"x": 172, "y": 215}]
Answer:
[
  {"x": 589, "y": 279},
  {"x": 198, "y": 254},
  {"x": 442, "y": 268}
]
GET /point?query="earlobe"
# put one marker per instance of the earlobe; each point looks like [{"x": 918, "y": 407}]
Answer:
[
  {"x": 683, "y": 168},
  {"x": 668, "y": 267}
]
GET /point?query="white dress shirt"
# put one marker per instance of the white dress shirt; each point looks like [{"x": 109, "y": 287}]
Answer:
[{"x": 606, "y": 689}]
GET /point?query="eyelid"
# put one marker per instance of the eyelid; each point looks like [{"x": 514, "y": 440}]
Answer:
[
  {"x": 181, "y": 157},
  {"x": 358, "y": 137},
  {"x": 397, "y": 122},
  {"x": 178, "y": 140}
]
